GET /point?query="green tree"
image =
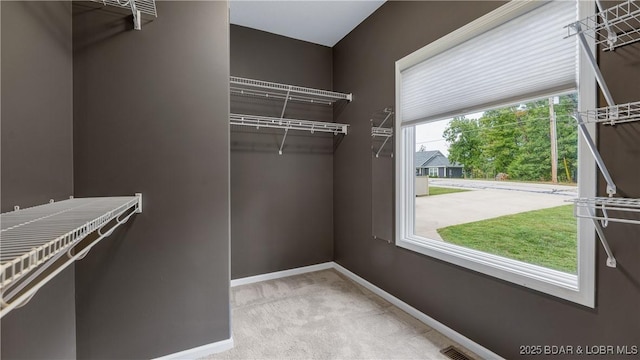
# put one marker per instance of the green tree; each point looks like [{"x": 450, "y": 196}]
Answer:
[
  {"x": 567, "y": 131},
  {"x": 532, "y": 161},
  {"x": 533, "y": 158},
  {"x": 516, "y": 140},
  {"x": 462, "y": 135},
  {"x": 500, "y": 135}
]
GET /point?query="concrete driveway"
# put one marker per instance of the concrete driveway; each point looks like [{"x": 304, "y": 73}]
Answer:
[{"x": 434, "y": 212}]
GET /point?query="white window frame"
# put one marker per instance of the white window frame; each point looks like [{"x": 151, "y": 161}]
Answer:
[
  {"x": 578, "y": 288},
  {"x": 436, "y": 171}
]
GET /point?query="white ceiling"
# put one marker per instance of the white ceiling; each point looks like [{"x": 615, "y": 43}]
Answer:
[{"x": 321, "y": 22}]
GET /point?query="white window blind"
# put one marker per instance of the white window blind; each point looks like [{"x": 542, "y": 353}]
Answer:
[{"x": 524, "y": 58}]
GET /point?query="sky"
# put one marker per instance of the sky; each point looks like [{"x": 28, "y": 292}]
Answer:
[{"x": 430, "y": 134}]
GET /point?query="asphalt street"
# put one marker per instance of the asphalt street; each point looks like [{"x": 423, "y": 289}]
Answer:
[{"x": 565, "y": 190}]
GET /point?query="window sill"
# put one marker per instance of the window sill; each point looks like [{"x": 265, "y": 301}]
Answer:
[{"x": 553, "y": 282}]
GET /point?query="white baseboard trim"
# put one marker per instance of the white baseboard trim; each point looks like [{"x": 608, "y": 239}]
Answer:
[
  {"x": 429, "y": 321},
  {"x": 200, "y": 351},
  {"x": 281, "y": 274}
]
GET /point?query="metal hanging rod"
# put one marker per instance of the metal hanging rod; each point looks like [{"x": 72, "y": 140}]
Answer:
[
  {"x": 613, "y": 27},
  {"x": 244, "y": 86},
  {"x": 35, "y": 239},
  {"x": 138, "y": 7}
]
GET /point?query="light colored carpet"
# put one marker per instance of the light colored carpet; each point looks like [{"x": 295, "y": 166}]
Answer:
[{"x": 324, "y": 315}]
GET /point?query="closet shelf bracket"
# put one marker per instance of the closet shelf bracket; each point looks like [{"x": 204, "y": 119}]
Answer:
[
  {"x": 381, "y": 131},
  {"x": 613, "y": 27},
  {"x": 609, "y": 28},
  {"x": 602, "y": 211},
  {"x": 582, "y": 128},
  {"x": 611, "y": 260},
  {"x": 138, "y": 7},
  {"x": 272, "y": 90},
  {"x": 35, "y": 241},
  {"x": 594, "y": 65},
  {"x": 608, "y": 209},
  {"x": 613, "y": 115},
  {"x": 286, "y": 131}
]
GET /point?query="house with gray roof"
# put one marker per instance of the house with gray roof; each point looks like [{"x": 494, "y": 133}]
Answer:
[{"x": 434, "y": 164}]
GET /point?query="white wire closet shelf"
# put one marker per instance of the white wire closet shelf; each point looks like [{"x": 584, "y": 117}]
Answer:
[
  {"x": 613, "y": 27},
  {"x": 33, "y": 240},
  {"x": 137, "y": 7},
  {"x": 288, "y": 124},
  {"x": 381, "y": 132},
  {"x": 602, "y": 210},
  {"x": 608, "y": 209},
  {"x": 612, "y": 115},
  {"x": 252, "y": 87},
  {"x": 610, "y": 28}
]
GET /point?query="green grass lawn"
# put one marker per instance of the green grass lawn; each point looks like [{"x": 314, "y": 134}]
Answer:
[
  {"x": 437, "y": 190},
  {"x": 545, "y": 237}
]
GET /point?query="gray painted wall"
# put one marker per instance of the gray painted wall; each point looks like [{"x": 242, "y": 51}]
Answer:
[
  {"x": 37, "y": 147},
  {"x": 281, "y": 205},
  {"x": 37, "y": 159},
  {"x": 144, "y": 124},
  {"x": 151, "y": 116},
  {"x": 496, "y": 314}
]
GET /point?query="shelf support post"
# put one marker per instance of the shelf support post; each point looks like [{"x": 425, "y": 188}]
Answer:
[
  {"x": 137, "y": 17},
  {"x": 611, "y": 186},
  {"x": 594, "y": 64},
  {"x": 139, "y": 195},
  {"x": 286, "y": 100},
  {"x": 283, "y": 139},
  {"x": 612, "y": 37},
  {"x": 286, "y": 131},
  {"x": 382, "y": 146},
  {"x": 611, "y": 260},
  {"x": 389, "y": 112},
  {"x": 386, "y": 118}
]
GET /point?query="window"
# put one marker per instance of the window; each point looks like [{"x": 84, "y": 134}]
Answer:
[
  {"x": 433, "y": 172},
  {"x": 498, "y": 75}
]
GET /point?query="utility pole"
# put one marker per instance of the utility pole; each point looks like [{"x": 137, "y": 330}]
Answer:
[{"x": 554, "y": 144}]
